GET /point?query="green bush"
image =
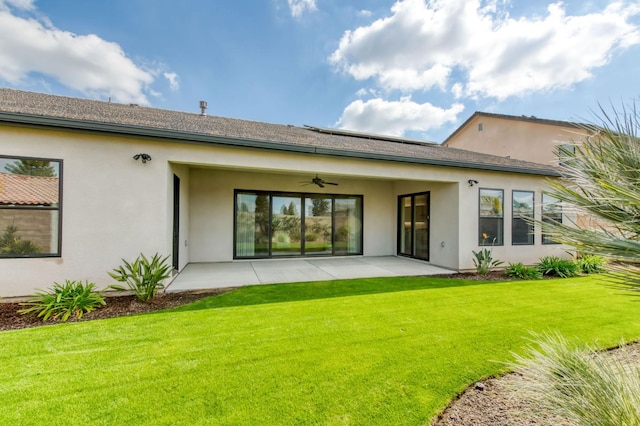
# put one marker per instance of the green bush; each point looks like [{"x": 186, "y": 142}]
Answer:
[
  {"x": 591, "y": 264},
  {"x": 484, "y": 261},
  {"x": 72, "y": 297},
  {"x": 520, "y": 271},
  {"x": 579, "y": 384},
  {"x": 553, "y": 265},
  {"x": 143, "y": 276},
  {"x": 10, "y": 243}
]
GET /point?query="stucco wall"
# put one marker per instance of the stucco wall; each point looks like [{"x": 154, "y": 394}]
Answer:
[
  {"x": 114, "y": 207},
  {"x": 469, "y": 212},
  {"x": 211, "y": 234},
  {"x": 522, "y": 140},
  {"x": 443, "y": 219}
]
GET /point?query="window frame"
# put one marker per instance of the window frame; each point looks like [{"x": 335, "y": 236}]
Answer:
[
  {"x": 58, "y": 208},
  {"x": 514, "y": 217},
  {"x": 499, "y": 219},
  {"x": 560, "y": 214},
  {"x": 305, "y": 197}
]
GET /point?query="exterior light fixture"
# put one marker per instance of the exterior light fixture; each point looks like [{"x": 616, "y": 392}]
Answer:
[
  {"x": 143, "y": 157},
  {"x": 472, "y": 182}
]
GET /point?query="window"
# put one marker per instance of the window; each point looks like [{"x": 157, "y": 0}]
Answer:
[
  {"x": 491, "y": 217},
  {"x": 30, "y": 219},
  {"x": 565, "y": 153},
  {"x": 271, "y": 224},
  {"x": 521, "y": 227},
  {"x": 551, "y": 213}
]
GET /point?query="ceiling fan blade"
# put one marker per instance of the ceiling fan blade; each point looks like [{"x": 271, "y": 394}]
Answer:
[
  {"x": 330, "y": 183},
  {"x": 320, "y": 184}
]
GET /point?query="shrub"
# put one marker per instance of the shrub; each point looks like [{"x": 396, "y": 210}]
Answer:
[
  {"x": 579, "y": 384},
  {"x": 518, "y": 270},
  {"x": 10, "y": 243},
  {"x": 484, "y": 261},
  {"x": 143, "y": 276},
  {"x": 553, "y": 265},
  {"x": 591, "y": 264},
  {"x": 72, "y": 297}
]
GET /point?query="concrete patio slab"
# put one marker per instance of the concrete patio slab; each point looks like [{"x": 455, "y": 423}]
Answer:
[
  {"x": 202, "y": 276},
  {"x": 290, "y": 271}
]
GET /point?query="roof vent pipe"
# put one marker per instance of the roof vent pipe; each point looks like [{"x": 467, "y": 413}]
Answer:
[{"x": 203, "y": 107}]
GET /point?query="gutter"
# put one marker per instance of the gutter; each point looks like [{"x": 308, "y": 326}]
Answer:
[{"x": 200, "y": 138}]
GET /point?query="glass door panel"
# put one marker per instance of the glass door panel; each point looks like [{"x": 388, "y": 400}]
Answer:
[
  {"x": 318, "y": 223},
  {"x": 405, "y": 225},
  {"x": 348, "y": 227},
  {"x": 286, "y": 226},
  {"x": 252, "y": 225},
  {"x": 421, "y": 226},
  {"x": 413, "y": 225}
]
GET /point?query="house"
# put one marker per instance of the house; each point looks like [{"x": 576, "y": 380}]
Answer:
[
  {"x": 132, "y": 179},
  {"x": 525, "y": 138}
]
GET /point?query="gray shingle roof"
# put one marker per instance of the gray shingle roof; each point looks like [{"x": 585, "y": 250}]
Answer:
[{"x": 48, "y": 110}]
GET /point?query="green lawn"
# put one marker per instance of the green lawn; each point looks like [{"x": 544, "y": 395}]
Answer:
[{"x": 386, "y": 351}]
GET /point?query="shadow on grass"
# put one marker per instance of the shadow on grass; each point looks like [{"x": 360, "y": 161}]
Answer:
[{"x": 292, "y": 292}]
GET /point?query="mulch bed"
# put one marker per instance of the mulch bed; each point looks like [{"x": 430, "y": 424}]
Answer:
[{"x": 117, "y": 305}]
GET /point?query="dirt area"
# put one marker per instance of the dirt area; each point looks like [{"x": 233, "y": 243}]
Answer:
[{"x": 117, "y": 305}]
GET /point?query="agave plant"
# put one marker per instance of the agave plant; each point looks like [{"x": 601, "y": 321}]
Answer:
[{"x": 143, "y": 276}]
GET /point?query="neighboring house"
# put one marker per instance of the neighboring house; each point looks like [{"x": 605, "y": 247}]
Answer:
[
  {"x": 26, "y": 218},
  {"x": 200, "y": 188},
  {"x": 519, "y": 137}
]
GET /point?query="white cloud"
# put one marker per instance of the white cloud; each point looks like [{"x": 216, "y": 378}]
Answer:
[
  {"x": 172, "y": 77},
  {"x": 85, "y": 63},
  {"x": 420, "y": 45},
  {"x": 18, "y": 4},
  {"x": 395, "y": 117},
  {"x": 298, "y": 7},
  {"x": 365, "y": 12}
]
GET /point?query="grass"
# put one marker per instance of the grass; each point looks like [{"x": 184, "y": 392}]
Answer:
[{"x": 362, "y": 352}]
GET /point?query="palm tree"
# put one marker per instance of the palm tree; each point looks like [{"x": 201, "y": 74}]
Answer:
[{"x": 602, "y": 180}]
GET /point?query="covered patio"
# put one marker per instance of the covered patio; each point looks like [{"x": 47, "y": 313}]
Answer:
[{"x": 210, "y": 275}]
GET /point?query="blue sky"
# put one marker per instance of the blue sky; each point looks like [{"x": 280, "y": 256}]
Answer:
[{"x": 411, "y": 68}]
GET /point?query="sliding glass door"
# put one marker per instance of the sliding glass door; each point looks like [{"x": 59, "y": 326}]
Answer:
[
  {"x": 286, "y": 225},
  {"x": 269, "y": 224},
  {"x": 318, "y": 225},
  {"x": 413, "y": 225},
  {"x": 348, "y": 226}
]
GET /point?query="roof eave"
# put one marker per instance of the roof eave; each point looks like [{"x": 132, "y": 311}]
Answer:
[{"x": 187, "y": 137}]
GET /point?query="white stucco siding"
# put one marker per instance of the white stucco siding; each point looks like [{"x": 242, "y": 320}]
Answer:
[
  {"x": 443, "y": 218},
  {"x": 469, "y": 219},
  {"x": 212, "y": 202},
  {"x": 112, "y": 207},
  {"x": 183, "y": 173},
  {"x": 115, "y": 207}
]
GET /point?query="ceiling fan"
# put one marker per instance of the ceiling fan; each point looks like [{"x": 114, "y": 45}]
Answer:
[{"x": 318, "y": 181}]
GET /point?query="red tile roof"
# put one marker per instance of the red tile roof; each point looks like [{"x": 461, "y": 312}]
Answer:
[{"x": 28, "y": 190}]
